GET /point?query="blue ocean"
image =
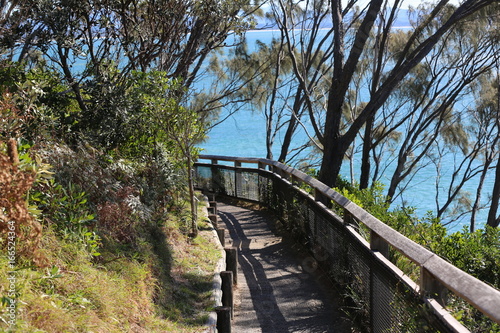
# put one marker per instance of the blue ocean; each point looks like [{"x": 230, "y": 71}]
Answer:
[{"x": 243, "y": 134}]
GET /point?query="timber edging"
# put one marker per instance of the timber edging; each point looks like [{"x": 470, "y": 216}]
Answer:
[{"x": 217, "y": 281}]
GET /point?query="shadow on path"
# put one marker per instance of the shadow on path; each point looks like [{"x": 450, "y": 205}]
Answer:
[{"x": 275, "y": 294}]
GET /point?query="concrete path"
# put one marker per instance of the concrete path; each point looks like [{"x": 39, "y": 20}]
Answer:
[{"x": 275, "y": 293}]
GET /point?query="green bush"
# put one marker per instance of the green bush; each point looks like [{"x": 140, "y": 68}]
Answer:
[
  {"x": 67, "y": 211},
  {"x": 477, "y": 253}
]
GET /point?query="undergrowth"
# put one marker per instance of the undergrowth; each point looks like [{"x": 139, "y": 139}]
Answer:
[{"x": 116, "y": 253}]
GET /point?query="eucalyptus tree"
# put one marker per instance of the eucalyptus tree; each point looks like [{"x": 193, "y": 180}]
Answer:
[
  {"x": 96, "y": 44},
  {"x": 491, "y": 104},
  {"x": 101, "y": 47}
]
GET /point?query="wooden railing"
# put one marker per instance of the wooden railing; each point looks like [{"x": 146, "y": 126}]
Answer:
[{"x": 273, "y": 183}]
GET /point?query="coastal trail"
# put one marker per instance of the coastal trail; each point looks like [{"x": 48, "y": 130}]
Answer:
[{"x": 277, "y": 290}]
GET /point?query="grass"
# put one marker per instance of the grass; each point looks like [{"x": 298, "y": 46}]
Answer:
[{"x": 161, "y": 285}]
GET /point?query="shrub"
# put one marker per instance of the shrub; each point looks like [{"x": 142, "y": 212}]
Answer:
[
  {"x": 21, "y": 233},
  {"x": 477, "y": 253}
]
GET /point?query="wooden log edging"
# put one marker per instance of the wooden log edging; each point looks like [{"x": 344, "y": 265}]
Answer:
[
  {"x": 436, "y": 273},
  {"x": 217, "y": 281}
]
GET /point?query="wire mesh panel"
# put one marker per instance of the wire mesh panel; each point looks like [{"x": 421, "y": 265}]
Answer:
[
  {"x": 203, "y": 177},
  {"x": 311, "y": 216},
  {"x": 382, "y": 302},
  {"x": 247, "y": 185},
  {"x": 358, "y": 276},
  {"x": 225, "y": 182},
  {"x": 330, "y": 236},
  {"x": 278, "y": 202},
  {"x": 395, "y": 306},
  {"x": 265, "y": 188}
]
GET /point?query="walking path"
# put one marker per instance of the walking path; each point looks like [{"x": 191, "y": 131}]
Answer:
[{"x": 275, "y": 293}]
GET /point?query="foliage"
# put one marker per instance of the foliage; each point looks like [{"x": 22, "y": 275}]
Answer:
[
  {"x": 477, "y": 253},
  {"x": 84, "y": 207},
  {"x": 153, "y": 96},
  {"x": 161, "y": 120},
  {"x": 66, "y": 210},
  {"x": 110, "y": 233},
  {"x": 92, "y": 93},
  {"x": 20, "y": 232},
  {"x": 87, "y": 41},
  {"x": 37, "y": 102}
]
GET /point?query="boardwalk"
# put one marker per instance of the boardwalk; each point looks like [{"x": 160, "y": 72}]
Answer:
[{"x": 275, "y": 293}]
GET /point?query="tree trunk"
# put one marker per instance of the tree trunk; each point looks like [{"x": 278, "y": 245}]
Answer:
[
  {"x": 475, "y": 207},
  {"x": 365, "y": 161},
  {"x": 332, "y": 162},
  {"x": 292, "y": 126},
  {"x": 270, "y": 116},
  {"x": 493, "y": 219},
  {"x": 192, "y": 199},
  {"x": 75, "y": 86},
  {"x": 397, "y": 175}
]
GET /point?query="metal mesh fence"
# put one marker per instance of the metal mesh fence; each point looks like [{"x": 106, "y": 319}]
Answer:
[{"x": 378, "y": 298}]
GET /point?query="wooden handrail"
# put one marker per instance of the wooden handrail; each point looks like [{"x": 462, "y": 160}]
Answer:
[{"x": 479, "y": 294}]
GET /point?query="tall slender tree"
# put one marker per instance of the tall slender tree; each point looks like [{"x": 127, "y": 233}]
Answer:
[
  {"x": 493, "y": 216},
  {"x": 347, "y": 57}
]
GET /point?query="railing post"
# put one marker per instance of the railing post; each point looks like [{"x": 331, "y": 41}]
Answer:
[
  {"x": 280, "y": 172},
  {"x": 223, "y": 319},
  {"x": 214, "y": 170},
  {"x": 221, "y": 233},
  {"x": 237, "y": 179},
  {"x": 212, "y": 212},
  {"x": 432, "y": 288},
  {"x": 227, "y": 290},
  {"x": 378, "y": 305},
  {"x": 260, "y": 166},
  {"x": 377, "y": 243},
  {"x": 349, "y": 219},
  {"x": 213, "y": 204},
  {"x": 318, "y": 196},
  {"x": 213, "y": 219},
  {"x": 232, "y": 262}
]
